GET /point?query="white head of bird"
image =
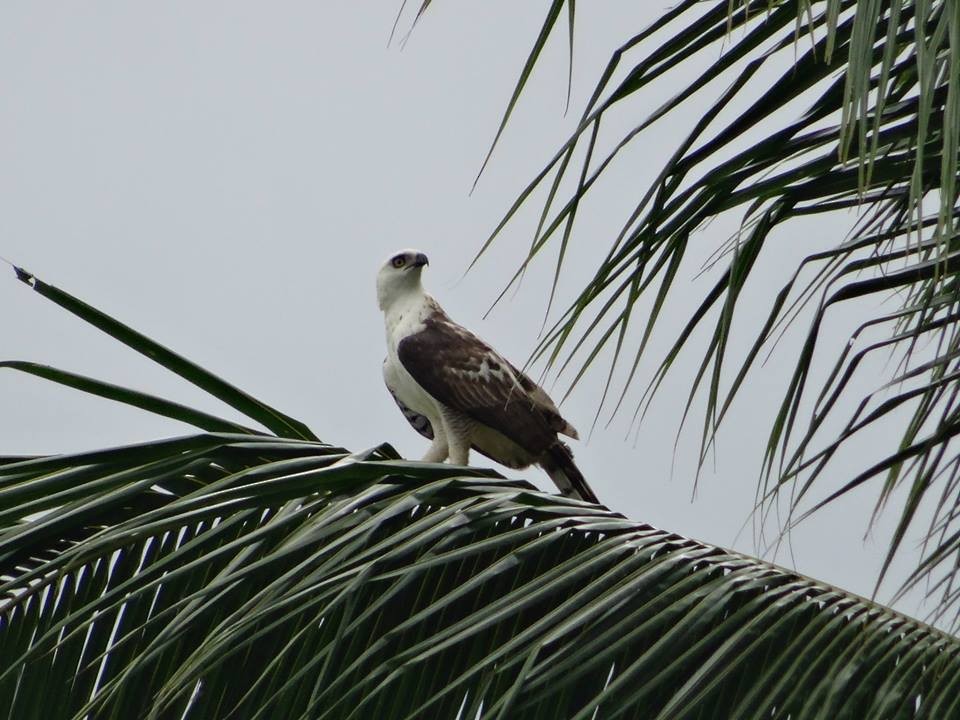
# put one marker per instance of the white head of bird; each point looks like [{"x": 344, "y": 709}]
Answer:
[{"x": 399, "y": 278}]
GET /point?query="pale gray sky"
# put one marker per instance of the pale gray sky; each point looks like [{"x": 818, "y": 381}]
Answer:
[{"x": 227, "y": 176}]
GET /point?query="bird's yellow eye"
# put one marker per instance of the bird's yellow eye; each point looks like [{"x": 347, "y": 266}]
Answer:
[{"x": 398, "y": 261}]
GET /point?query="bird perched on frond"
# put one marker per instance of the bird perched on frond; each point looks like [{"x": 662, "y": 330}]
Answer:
[{"x": 459, "y": 392}]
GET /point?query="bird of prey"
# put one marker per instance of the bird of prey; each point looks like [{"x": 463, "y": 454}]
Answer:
[{"x": 459, "y": 392}]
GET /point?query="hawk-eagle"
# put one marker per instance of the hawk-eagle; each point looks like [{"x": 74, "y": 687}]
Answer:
[{"x": 459, "y": 392}]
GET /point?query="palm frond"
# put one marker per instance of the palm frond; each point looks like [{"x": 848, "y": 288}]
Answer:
[
  {"x": 249, "y": 406},
  {"x": 237, "y": 574},
  {"x": 245, "y": 576},
  {"x": 881, "y": 83}
]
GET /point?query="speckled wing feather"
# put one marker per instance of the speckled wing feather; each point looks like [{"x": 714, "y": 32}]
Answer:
[{"x": 465, "y": 374}]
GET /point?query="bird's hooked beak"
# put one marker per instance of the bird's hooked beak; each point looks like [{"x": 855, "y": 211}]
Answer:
[{"x": 419, "y": 261}]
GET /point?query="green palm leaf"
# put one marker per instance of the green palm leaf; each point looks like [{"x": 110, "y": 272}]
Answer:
[
  {"x": 270, "y": 418},
  {"x": 256, "y": 577},
  {"x": 880, "y": 81},
  {"x": 236, "y": 574}
]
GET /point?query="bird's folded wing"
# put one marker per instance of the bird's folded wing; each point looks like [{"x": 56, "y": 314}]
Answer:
[{"x": 465, "y": 374}]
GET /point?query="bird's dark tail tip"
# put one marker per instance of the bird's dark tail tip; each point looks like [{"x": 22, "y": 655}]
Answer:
[{"x": 558, "y": 463}]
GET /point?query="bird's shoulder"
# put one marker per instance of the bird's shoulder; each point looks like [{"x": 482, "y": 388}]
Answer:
[{"x": 446, "y": 347}]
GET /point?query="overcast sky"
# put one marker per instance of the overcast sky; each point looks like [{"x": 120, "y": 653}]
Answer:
[{"x": 227, "y": 177}]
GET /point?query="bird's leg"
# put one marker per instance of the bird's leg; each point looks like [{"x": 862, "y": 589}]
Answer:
[
  {"x": 460, "y": 452},
  {"x": 458, "y": 429},
  {"x": 438, "y": 450}
]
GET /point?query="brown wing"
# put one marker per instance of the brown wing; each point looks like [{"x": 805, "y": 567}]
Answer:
[
  {"x": 464, "y": 373},
  {"x": 554, "y": 418}
]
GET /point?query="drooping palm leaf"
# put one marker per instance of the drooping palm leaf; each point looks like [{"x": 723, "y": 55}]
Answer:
[
  {"x": 879, "y": 135},
  {"x": 232, "y": 576},
  {"x": 243, "y": 575}
]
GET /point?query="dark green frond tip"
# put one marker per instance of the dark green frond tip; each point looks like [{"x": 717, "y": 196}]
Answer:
[
  {"x": 23, "y": 275},
  {"x": 277, "y": 422},
  {"x": 250, "y": 577}
]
